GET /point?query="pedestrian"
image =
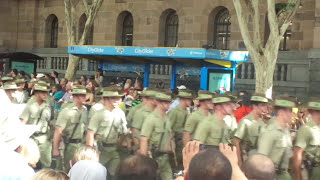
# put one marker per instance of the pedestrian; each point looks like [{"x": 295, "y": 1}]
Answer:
[
  {"x": 156, "y": 136},
  {"x": 70, "y": 125},
  {"x": 247, "y": 134},
  {"x": 275, "y": 141},
  {"x": 205, "y": 101},
  {"x": 99, "y": 77},
  {"x": 21, "y": 95},
  {"x": 55, "y": 75},
  {"x": 105, "y": 127},
  {"x": 38, "y": 113}
]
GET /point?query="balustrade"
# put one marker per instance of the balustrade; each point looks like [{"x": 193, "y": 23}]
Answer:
[{"x": 247, "y": 71}]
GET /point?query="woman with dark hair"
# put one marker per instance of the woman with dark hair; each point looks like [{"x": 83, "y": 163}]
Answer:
[
  {"x": 83, "y": 80},
  {"x": 99, "y": 76}
]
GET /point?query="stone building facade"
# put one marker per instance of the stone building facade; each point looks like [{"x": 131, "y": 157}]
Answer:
[{"x": 39, "y": 27}]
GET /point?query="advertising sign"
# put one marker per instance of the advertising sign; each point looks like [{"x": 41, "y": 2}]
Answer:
[
  {"x": 23, "y": 66},
  {"x": 219, "y": 81}
]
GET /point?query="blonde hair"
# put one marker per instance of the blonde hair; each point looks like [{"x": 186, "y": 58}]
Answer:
[
  {"x": 85, "y": 153},
  {"x": 31, "y": 152},
  {"x": 49, "y": 174}
]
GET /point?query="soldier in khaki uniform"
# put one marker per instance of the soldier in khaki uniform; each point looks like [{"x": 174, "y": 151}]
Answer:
[
  {"x": 105, "y": 127},
  {"x": 140, "y": 115},
  {"x": 70, "y": 125},
  {"x": 178, "y": 117},
  {"x": 205, "y": 100},
  {"x": 10, "y": 87},
  {"x": 307, "y": 147},
  {"x": 5, "y": 79},
  {"x": 21, "y": 95},
  {"x": 39, "y": 113},
  {"x": 134, "y": 109},
  {"x": 275, "y": 141},
  {"x": 247, "y": 134},
  {"x": 213, "y": 130},
  {"x": 156, "y": 136}
]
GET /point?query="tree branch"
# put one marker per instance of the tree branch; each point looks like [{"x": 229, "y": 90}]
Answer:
[
  {"x": 93, "y": 11},
  {"x": 243, "y": 24},
  {"x": 256, "y": 26},
  {"x": 86, "y": 6},
  {"x": 290, "y": 13},
  {"x": 272, "y": 18}
]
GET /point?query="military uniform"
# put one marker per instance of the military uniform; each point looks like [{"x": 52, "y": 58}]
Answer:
[
  {"x": 157, "y": 129},
  {"x": 308, "y": 139},
  {"x": 249, "y": 129},
  {"x": 193, "y": 120},
  {"x": 40, "y": 115},
  {"x": 107, "y": 125},
  {"x": 21, "y": 96},
  {"x": 10, "y": 86},
  {"x": 178, "y": 117},
  {"x": 132, "y": 112},
  {"x": 72, "y": 120},
  {"x": 213, "y": 131},
  {"x": 276, "y": 143}
]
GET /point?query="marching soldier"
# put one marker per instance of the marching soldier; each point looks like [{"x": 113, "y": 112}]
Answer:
[
  {"x": 10, "y": 87},
  {"x": 134, "y": 109},
  {"x": 140, "y": 115},
  {"x": 307, "y": 147},
  {"x": 70, "y": 125},
  {"x": 205, "y": 100},
  {"x": 213, "y": 130},
  {"x": 156, "y": 136},
  {"x": 105, "y": 127},
  {"x": 21, "y": 95},
  {"x": 5, "y": 79},
  {"x": 39, "y": 113},
  {"x": 275, "y": 141},
  {"x": 178, "y": 117},
  {"x": 247, "y": 134}
]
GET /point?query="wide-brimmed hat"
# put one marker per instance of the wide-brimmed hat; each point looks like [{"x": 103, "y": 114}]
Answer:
[
  {"x": 286, "y": 102},
  {"x": 148, "y": 92},
  {"x": 222, "y": 98},
  {"x": 313, "y": 104},
  {"x": 6, "y": 78},
  {"x": 260, "y": 98},
  {"x": 164, "y": 95},
  {"x": 20, "y": 80},
  {"x": 112, "y": 91},
  {"x": 234, "y": 96},
  {"x": 10, "y": 86},
  {"x": 41, "y": 87},
  {"x": 204, "y": 95},
  {"x": 78, "y": 89},
  {"x": 186, "y": 93},
  {"x": 40, "y": 75}
]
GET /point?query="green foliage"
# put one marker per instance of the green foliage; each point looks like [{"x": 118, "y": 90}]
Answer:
[{"x": 284, "y": 6}]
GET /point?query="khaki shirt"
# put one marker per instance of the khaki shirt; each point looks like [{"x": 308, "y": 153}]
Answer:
[
  {"x": 36, "y": 114},
  {"x": 97, "y": 107},
  {"x": 212, "y": 131},
  {"x": 276, "y": 143},
  {"x": 108, "y": 124},
  {"x": 308, "y": 138},
  {"x": 248, "y": 131},
  {"x": 193, "y": 120},
  {"x": 178, "y": 117},
  {"x": 68, "y": 119},
  {"x": 132, "y": 112},
  {"x": 140, "y": 116},
  {"x": 21, "y": 97},
  {"x": 154, "y": 128}
]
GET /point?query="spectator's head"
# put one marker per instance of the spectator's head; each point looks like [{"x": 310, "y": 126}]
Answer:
[
  {"x": 83, "y": 80},
  {"x": 85, "y": 153},
  {"x": 68, "y": 86},
  {"x": 63, "y": 82},
  {"x": 260, "y": 167},
  {"x": 99, "y": 72},
  {"x": 50, "y": 174},
  {"x": 210, "y": 164},
  {"x": 14, "y": 72},
  {"x": 76, "y": 82},
  {"x": 137, "y": 167},
  {"x": 54, "y": 74},
  {"x": 88, "y": 170}
]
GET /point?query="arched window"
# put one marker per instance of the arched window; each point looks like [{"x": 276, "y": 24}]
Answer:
[
  {"x": 284, "y": 46},
  {"x": 52, "y": 27},
  {"x": 82, "y": 23},
  {"x": 222, "y": 29},
  {"x": 127, "y": 30},
  {"x": 171, "y": 29}
]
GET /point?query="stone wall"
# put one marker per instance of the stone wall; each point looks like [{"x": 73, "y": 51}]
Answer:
[{"x": 25, "y": 22}]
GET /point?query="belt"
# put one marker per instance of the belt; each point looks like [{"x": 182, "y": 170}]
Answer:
[
  {"x": 158, "y": 154},
  {"x": 75, "y": 141},
  {"x": 39, "y": 134},
  {"x": 107, "y": 145}
]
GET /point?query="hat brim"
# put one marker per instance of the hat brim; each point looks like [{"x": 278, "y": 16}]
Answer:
[
  {"x": 42, "y": 90},
  {"x": 163, "y": 99},
  {"x": 185, "y": 97},
  {"x": 114, "y": 96}
]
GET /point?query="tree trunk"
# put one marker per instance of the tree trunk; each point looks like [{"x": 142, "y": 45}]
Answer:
[
  {"x": 264, "y": 68},
  {"x": 72, "y": 67}
]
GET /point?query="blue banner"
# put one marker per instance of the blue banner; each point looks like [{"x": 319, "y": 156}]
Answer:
[{"x": 137, "y": 68}]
